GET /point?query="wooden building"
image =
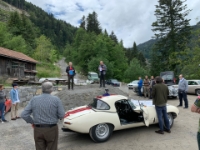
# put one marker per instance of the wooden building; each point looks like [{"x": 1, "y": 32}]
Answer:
[{"x": 16, "y": 65}]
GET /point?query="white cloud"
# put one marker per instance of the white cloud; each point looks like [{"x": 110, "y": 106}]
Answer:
[{"x": 130, "y": 20}]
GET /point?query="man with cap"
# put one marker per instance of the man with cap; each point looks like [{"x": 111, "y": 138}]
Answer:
[
  {"x": 14, "y": 95},
  {"x": 106, "y": 92}
]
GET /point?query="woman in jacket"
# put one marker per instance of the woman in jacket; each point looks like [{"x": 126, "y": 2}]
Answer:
[{"x": 2, "y": 104}]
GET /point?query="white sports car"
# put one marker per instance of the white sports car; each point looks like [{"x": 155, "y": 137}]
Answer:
[{"x": 116, "y": 112}]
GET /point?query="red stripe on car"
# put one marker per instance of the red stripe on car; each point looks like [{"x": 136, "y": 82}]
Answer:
[{"x": 76, "y": 111}]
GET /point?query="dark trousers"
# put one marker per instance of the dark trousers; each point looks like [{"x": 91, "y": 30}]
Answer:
[
  {"x": 139, "y": 91},
  {"x": 162, "y": 114},
  {"x": 70, "y": 81},
  {"x": 150, "y": 93},
  {"x": 198, "y": 139},
  {"x": 183, "y": 96},
  {"x": 102, "y": 80},
  {"x": 46, "y": 138},
  {"x": 2, "y": 109}
]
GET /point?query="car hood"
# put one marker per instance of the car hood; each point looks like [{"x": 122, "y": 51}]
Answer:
[{"x": 77, "y": 112}]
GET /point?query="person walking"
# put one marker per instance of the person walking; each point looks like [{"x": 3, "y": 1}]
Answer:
[
  {"x": 146, "y": 87},
  {"x": 102, "y": 72},
  {"x": 43, "y": 112},
  {"x": 152, "y": 83},
  {"x": 70, "y": 73},
  {"x": 159, "y": 93},
  {"x": 14, "y": 94},
  {"x": 182, "y": 91},
  {"x": 2, "y": 104},
  {"x": 140, "y": 83}
]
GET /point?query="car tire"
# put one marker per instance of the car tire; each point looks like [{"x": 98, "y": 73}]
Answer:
[
  {"x": 101, "y": 132},
  {"x": 171, "y": 120},
  {"x": 197, "y": 92}
]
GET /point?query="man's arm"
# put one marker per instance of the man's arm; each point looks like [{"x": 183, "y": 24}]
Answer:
[
  {"x": 61, "y": 111},
  {"x": 186, "y": 85},
  {"x": 67, "y": 69},
  {"x": 26, "y": 114}
]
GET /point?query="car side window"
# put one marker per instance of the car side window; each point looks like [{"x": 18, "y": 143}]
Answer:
[
  {"x": 195, "y": 83},
  {"x": 189, "y": 82}
]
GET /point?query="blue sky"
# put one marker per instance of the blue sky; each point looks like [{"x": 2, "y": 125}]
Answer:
[{"x": 130, "y": 19}]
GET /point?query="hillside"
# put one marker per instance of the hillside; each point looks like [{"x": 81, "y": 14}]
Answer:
[
  {"x": 59, "y": 32},
  {"x": 145, "y": 47}
]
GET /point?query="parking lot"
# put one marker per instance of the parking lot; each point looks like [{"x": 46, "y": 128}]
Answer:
[{"x": 17, "y": 135}]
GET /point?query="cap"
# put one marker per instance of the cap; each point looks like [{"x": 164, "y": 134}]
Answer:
[{"x": 14, "y": 84}]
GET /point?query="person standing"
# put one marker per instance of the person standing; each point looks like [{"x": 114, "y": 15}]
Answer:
[
  {"x": 70, "y": 73},
  {"x": 146, "y": 87},
  {"x": 45, "y": 110},
  {"x": 159, "y": 93},
  {"x": 140, "y": 83},
  {"x": 2, "y": 104},
  {"x": 152, "y": 83},
  {"x": 14, "y": 94},
  {"x": 102, "y": 72},
  {"x": 182, "y": 91}
]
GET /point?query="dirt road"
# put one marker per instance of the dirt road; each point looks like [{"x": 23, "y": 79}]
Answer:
[{"x": 17, "y": 135}]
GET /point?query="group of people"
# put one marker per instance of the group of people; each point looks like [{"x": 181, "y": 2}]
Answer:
[
  {"x": 159, "y": 93},
  {"x": 147, "y": 85},
  {"x": 14, "y": 95},
  {"x": 70, "y": 70}
]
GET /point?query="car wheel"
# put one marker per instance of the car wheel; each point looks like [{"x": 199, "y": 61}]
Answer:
[
  {"x": 171, "y": 120},
  {"x": 101, "y": 132},
  {"x": 197, "y": 92}
]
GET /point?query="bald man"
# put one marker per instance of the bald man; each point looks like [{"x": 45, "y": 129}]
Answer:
[{"x": 102, "y": 72}]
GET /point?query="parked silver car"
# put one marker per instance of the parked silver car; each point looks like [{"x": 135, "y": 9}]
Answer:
[
  {"x": 133, "y": 84},
  {"x": 194, "y": 87}
]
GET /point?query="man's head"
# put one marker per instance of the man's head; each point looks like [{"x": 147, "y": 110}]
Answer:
[
  {"x": 106, "y": 90},
  {"x": 1, "y": 86},
  {"x": 47, "y": 87},
  {"x": 70, "y": 63},
  {"x": 180, "y": 76},
  {"x": 139, "y": 78},
  {"x": 101, "y": 62},
  {"x": 146, "y": 77},
  {"x": 152, "y": 77},
  {"x": 14, "y": 85},
  {"x": 159, "y": 80}
]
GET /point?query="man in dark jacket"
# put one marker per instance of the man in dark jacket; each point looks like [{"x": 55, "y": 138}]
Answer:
[
  {"x": 102, "y": 72},
  {"x": 159, "y": 93},
  {"x": 71, "y": 73},
  {"x": 152, "y": 83}
]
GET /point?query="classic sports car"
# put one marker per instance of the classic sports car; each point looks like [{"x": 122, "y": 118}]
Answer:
[
  {"x": 7, "y": 105},
  {"x": 110, "y": 113}
]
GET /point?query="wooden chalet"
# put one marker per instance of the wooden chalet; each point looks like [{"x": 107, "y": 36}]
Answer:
[{"x": 16, "y": 65}]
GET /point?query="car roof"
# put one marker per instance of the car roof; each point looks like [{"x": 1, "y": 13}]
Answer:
[
  {"x": 92, "y": 72},
  {"x": 110, "y": 100}
]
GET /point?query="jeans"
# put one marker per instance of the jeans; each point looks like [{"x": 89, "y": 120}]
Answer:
[
  {"x": 139, "y": 91},
  {"x": 102, "y": 80},
  {"x": 162, "y": 114},
  {"x": 198, "y": 139},
  {"x": 183, "y": 96},
  {"x": 70, "y": 81},
  {"x": 2, "y": 109}
]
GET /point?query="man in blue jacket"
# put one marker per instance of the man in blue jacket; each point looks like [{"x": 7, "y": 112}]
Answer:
[
  {"x": 140, "y": 82},
  {"x": 14, "y": 94}
]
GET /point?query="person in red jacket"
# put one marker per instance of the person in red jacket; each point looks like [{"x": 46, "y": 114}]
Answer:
[{"x": 71, "y": 73}]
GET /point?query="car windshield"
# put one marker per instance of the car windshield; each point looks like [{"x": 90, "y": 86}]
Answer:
[
  {"x": 99, "y": 104},
  {"x": 135, "y": 82},
  {"x": 114, "y": 80},
  {"x": 131, "y": 104},
  {"x": 94, "y": 75}
]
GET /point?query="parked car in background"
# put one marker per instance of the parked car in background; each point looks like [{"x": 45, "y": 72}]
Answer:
[
  {"x": 110, "y": 113},
  {"x": 113, "y": 82},
  {"x": 93, "y": 77},
  {"x": 194, "y": 87},
  {"x": 133, "y": 84}
]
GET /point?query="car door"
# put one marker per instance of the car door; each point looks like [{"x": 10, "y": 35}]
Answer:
[{"x": 191, "y": 87}]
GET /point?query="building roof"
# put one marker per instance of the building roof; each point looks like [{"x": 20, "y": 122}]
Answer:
[{"x": 16, "y": 55}]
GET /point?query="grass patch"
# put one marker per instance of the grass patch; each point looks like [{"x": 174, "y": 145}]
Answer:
[{"x": 45, "y": 70}]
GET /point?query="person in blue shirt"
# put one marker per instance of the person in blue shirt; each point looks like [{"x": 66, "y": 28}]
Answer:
[
  {"x": 106, "y": 93},
  {"x": 140, "y": 82}
]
